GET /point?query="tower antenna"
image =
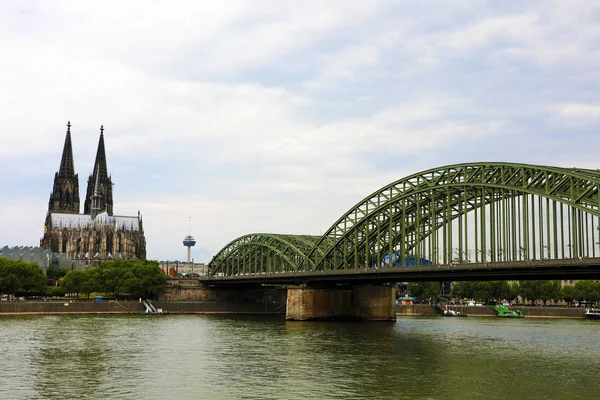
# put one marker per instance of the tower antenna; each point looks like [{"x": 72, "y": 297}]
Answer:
[{"x": 189, "y": 241}]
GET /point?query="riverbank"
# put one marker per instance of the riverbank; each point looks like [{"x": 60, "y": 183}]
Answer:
[
  {"x": 220, "y": 307},
  {"x": 136, "y": 307},
  {"x": 483, "y": 311}
]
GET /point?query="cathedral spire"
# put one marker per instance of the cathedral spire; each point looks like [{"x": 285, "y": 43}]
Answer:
[
  {"x": 65, "y": 191},
  {"x": 99, "y": 182},
  {"x": 100, "y": 163},
  {"x": 96, "y": 207},
  {"x": 67, "y": 167}
]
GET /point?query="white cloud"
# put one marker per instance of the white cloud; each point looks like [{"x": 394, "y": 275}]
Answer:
[
  {"x": 279, "y": 116},
  {"x": 579, "y": 111},
  {"x": 560, "y": 32}
]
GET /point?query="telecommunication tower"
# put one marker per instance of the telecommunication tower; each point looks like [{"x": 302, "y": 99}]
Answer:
[{"x": 189, "y": 242}]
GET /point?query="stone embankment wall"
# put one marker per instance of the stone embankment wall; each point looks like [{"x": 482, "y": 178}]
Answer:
[
  {"x": 191, "y": 297},
  {"x": 483, "y": 311},
  {"x": 75, "y": 307},
  {"x": 417, "y": 310},
  {"x": 552, "y": 312}
]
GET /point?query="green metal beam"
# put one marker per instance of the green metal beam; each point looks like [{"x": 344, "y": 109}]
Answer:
[{"x": 482, "y": 212}]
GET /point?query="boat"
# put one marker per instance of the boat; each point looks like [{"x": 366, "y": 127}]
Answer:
[
  {"x": 447, "y": 312},
  {"x": 592, "y": 314},
  {"x": 505, "y": 312},
  {"x": 453, "y": 313}
]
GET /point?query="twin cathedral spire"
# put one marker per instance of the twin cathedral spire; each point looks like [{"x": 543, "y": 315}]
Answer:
[
  {"x": 65, "y": 193},
  {"x": 97, "y": 234}
]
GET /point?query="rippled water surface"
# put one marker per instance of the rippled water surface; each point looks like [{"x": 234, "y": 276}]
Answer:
[{"x": 228, "y": 357}]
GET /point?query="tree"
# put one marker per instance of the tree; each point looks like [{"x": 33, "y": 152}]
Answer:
[
  {"x": 21, "y": 278},
  {"x": 550, "y": 290},
  {"x": 424, "y": 290},
  {"x": 55, "y": 291},
  {"x": 33, "y": 280},
  {"x": 140, "y": 278},
  {"x": 515, "y": 291},
  {"x": 568, "y": 293},
  {"x": 55, "y": 273},
  {"x": 588, "y": 291},
  {"x": 482, "y": 291},
  {"x": 531, "y": 290},
  {"x": 463, "y": 290},
  {"x": 73, "y": 281}
]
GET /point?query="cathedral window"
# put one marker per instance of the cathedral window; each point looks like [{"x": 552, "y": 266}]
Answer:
[
  {"x": 54, "y": 244},
  {"x": 109, "y": 243}
]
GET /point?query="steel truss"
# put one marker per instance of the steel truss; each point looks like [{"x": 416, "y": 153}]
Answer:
[{"x": 476, "y": 212}]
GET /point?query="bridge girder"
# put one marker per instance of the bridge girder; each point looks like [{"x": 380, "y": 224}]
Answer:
[
  {"x": 277, "y": 253},
  {"x": 411, "y": 215},
  {"x": 454, "y": 185}
]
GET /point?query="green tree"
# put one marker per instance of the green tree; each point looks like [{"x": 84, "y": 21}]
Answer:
[
  {"x": 463, "y": 289},
  {"x": 57, "y": 291},
  {"x": 550, "y": 290},
  {"x": 568, "y": 293},
  {"x": 140, "y": 278},
  {"x": 482, "y": 291},
  {"x": 424, "y": 290},
  {"x": 531, "y": 290},
  {"x": 515, "y": 291},
  {"x": 588, "y": 291},
  {"x": 73, "y": 282},
  {"x": 55, "y": 273},
  {"x": 21, "y": 278}
]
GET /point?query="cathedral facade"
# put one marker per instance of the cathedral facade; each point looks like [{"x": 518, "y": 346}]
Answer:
[{"x": 97, "y": 234}]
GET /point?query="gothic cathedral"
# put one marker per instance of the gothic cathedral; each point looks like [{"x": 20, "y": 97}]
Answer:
[{"x": 97, "y": 234}]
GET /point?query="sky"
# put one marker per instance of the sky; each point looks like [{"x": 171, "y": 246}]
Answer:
[{"x": 279, "y": 116}]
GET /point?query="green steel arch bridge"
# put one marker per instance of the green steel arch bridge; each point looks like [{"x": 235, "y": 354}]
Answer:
[{"x": 474, "y": 221}]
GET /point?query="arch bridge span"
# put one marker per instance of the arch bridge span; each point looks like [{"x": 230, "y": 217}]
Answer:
[{"x": 476, "y": 213}]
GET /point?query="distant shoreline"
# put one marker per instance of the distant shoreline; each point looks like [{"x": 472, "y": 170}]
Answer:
[
  {"x": 483, "y": 311},
  {"x": 213, "y": 307}
]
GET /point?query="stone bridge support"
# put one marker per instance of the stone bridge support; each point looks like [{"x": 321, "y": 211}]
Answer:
[{"x": 357, "y": 302}]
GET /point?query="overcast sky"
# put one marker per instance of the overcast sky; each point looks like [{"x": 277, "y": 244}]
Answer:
[{"x": 278, "y": 116}]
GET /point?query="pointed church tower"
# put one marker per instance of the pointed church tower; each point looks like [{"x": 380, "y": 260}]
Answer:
[
  {"x": 65, "y": 192},
  {"x": 99, "y": 184},
  {"x": 96, "y": 198}
]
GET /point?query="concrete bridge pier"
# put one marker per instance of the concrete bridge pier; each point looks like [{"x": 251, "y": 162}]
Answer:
[{"x": 358, "y": 302}]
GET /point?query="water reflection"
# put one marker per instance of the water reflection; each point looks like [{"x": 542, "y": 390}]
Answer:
[
  {"x": 212, "y": 357},
  {"x": 72, "y": 354}
]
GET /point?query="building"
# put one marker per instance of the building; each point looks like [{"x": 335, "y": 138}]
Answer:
[
  {"x": 183, "y": 268},
  {"x": 44, "y": 258},
  {"x": 97, "y": 234}
]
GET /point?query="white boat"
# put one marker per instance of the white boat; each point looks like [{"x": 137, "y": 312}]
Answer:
[
  {"x": 592, "y": 314},
  {"x": 453, "y": 313}
]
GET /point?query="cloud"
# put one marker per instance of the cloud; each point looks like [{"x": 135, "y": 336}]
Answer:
[
  {"x": 280, "y": 116},
  {"x": 579, "y": 111}
]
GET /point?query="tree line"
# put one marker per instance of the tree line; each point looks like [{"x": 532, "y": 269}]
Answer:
[
  {"x": 119, "y": 278},
  {"x": 21, "y": 278},
  {"x": 532, "y": 290}
]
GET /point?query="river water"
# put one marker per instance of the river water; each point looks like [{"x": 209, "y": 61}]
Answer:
[{"x": 242, "y": 357}]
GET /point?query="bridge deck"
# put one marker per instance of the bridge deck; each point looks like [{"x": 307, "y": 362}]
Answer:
[{"x": 582, "y": 268}]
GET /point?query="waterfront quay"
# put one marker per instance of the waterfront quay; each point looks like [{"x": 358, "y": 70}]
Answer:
[{"x": 272, "y": 306}]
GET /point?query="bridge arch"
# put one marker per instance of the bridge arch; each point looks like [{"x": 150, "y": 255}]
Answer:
[
  {"x": 263, "y": 253},
  {"x": 472, "y": 212},
  {"x": 401, "y": 219}
]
